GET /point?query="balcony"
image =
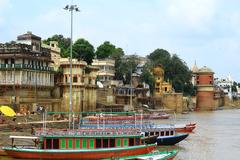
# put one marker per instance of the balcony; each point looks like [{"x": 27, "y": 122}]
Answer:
[{"x": 25, "y": 66}]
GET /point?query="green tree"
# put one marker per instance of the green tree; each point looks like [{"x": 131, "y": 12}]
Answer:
[
  {"x": 147, "y": 77},
  {"x": 63, "y": 43},
  {"x": 128, "y": 66},
  {"x": 117, "y": 57},
  {"x": 82, "y": 49},
  {"x": 176, "y": 70},
  {"x": 105, "y": 50}
]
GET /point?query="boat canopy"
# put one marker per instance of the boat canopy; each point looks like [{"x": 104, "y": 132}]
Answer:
[{"x": 24, "y": 137}]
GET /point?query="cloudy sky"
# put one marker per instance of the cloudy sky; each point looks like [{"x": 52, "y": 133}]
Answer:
[{"x": 205, "y": 31}]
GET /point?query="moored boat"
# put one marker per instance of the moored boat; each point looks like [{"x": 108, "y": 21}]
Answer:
[
  {"x": 80, "y": 145},
  {"x": 167, "y": 155},
  {"x": 161, "y": 115},
  {"x": 171, "y": 140},
  {"x": 165, "y": 136},
  {"x": 2, "y": 152}
]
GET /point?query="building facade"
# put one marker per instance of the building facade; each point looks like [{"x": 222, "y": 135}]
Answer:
[
  {"x": 160, "y": 85},
  {"x": 83, "y": 85},
  {"x": 205, "y": 89},
  {"x": 26, "y": 78},
  {"x": 55, "y": 54},
  {"x": 106, "y": 71}
]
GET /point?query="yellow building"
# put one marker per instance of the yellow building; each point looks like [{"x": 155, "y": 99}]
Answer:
[
  {"x": 83, "y": 85},
  {"x": 55, "y": 54},
  {"x": 160, "y": 85}
]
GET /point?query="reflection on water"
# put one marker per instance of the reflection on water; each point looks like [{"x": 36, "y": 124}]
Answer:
[{"x": 216, "y": 136}]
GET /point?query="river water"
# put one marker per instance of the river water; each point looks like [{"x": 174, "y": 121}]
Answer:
[{"x": 217, "y": 136}]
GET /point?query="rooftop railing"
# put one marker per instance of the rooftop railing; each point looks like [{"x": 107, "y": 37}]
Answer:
[{"x": 26, "y": 66}]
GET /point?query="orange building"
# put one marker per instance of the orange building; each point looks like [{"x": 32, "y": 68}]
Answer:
[{"x": 205, "y": 89}]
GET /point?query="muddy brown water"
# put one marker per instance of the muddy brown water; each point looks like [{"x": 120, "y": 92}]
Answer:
[{"x": 217, "y": 136}]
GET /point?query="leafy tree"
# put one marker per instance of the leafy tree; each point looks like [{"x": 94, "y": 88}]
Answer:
[
  {"x": 147, "y": 77},
  {"x": 176, "y": 70},
  {"x": 108, "y": 50},
  {"x": 82, "y": 49},
  {"x": 128, "y": 66},
  {"x": 105, "y": 50},
  {"x": 63, "y": 43},
  {"x": 117, "y": 56}
]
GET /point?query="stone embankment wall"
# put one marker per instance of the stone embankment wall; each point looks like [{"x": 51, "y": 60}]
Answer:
[
  {"x": 235, "y": 103},
  {"x": 173, "y": 101}
]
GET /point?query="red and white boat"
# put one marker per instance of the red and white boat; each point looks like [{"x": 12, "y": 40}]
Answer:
[{"x": 186, "y": 128}]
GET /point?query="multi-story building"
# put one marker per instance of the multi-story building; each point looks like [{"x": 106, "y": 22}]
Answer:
[
  {"x": 83, "y": 85},
  {"x": 208, "y": 96},
  {"x": 106, "y": 70},
  {"x": 226, "y": 86},
  {"x": 26, "y": 78},
  {"x": 55, "y": 54}
]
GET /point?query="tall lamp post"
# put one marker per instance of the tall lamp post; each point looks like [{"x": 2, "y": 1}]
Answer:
[{"x": 71, "y": 8}]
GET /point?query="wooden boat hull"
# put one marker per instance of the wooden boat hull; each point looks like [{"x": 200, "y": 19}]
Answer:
[
  {"x": 149, "y": 140},
  {"x": 186, "y": 129},
  {"x": 78, "y": 154},
  {"x": 2, "y": 152},
  {"x": 171, "y": 140}
]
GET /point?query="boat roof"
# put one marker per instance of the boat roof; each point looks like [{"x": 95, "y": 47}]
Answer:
[
  {"x": 88, "y": 133},
  {"x": 24, "y": 137}
]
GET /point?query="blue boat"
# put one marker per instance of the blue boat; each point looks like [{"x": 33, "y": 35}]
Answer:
[{"x": 171, "y": 140}]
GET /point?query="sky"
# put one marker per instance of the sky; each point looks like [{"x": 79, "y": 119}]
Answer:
[{"x": 205, "y": 31}]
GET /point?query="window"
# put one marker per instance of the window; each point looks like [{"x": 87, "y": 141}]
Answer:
[
  {"x": 167, "y": 133},
  {"x": 112, "y": 142},
  {"x": 171, "y": 133},
  {"x": 90, "y": 81},
  {"x": 165, "y": 89},
  {"x": 55, "y": 143},
  {"x": 210, "y": 82},
  {"x": 6, "y": 61},
  {"x": 75, "y": 79},
  {"x": 162, "y": 133},
  {"x": 66, "y": 79},
  {"x": 137, "y": 141},
  {"x": 105, "y": 143},
  {"x": 146, "y": 133},
  {"x": 12, "y": 61},
  {"x": 98, "y": 143},
  {"x": 48, "y": 143},
  {"x": 131, "y": 141}
]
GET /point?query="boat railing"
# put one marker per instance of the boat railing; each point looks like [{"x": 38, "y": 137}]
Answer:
[{"x": 87, "y": 132}]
